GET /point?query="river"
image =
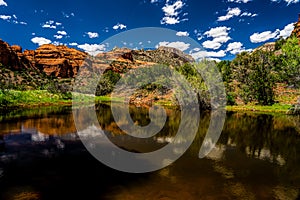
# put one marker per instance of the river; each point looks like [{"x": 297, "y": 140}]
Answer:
[{"x": 42, "y": 157}]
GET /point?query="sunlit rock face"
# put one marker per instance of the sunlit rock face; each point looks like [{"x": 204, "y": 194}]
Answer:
[{"x": 58, "y": 61}]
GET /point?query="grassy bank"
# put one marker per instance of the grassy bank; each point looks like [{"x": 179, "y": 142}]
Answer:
[
  {"x": 33, "y": 98},
  {"x": 10, "y": 99},
  {"x": 276, "y": 108}
]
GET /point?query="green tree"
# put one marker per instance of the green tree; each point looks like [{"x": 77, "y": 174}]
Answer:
[
  {"x": 226, "y": 70},
  {"x": 289, "y": 61},
  {"x": 255, "y": 75}
]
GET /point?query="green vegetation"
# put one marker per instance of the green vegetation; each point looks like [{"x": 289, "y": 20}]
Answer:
[
  {"x": 253, "y": 77},
  {"x": 15, "y": 98},
  {"x": 262, "y": 80},
  {"x": 275, "y": 108}
]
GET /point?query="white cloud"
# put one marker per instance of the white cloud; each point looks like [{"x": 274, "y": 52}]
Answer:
[
  {"x": 210, "y": 44},
  {"x": 172, "y": 12},
  {"x": 92, "y": 49},
  {"x": 73, "y": 44},
  {"x": 263, "y": 36},
  {"x": 62, "y": 32},
  {"x": 235, "y": 47},
  {"x": 153, "y": 1},
  {"x": 12, "y": 19},
  {"x": 218, "y": 31},
  {"x": 219, "y": 35},
  {"x": 239, "y": 1},
  {"x": 267, "y": 35},
  {"x": 231, "y": 12},
  {"x": 56, "y": 43},
  {"x": 178, "y": 45},
  {"x": 5, "y": 17},
  {"x": 92, "y": 34},
  {"x": 170, "y": 20},
  {"x": 119, "y": 26},
  {"x": 287, "y": 1},
  {"x": 58, "y": 36},
  {"x": 248, "y": 14},
  {"x": 3, "y": 3},
  {"x": 182, "y": 33},
  {"x": 40, "y": 41},
  {"x": 208, "y": 54},
  {"x": 216, "y": 43},
  {"x": 287, "y": 31},
  {"x": 51, "y": 24}
]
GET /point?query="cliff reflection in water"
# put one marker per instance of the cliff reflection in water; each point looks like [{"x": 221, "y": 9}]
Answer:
[{"x": 256, "y": 157}]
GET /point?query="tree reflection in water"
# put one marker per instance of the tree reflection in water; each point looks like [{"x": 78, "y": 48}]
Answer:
[{"x": 256, "y": 157}]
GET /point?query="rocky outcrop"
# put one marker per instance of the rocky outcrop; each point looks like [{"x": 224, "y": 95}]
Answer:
[
  {"x": 57, "y": 61},
  {"x": 296, "y": 30},
  {"x": 163, "y": 55},
  {"x": 9, "y": 56},
  {"x": 270, "y": 46}
]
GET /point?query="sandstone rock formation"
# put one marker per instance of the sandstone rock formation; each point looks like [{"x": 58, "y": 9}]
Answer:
[
  {"x": 58, "y": 61},
  {"x": 296, "y": 30},
  {"x": 9, "y": 56},
  {"x": 163, "y": 55}
]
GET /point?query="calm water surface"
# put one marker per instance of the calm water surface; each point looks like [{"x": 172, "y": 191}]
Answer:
[{"x": 42, "y": 157}]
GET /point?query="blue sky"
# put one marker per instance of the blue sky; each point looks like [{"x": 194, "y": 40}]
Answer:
[{"x": 220, "y": 28}]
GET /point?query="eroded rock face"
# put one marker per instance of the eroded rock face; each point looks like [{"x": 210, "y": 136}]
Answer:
[
  {"x": 163, "y": 55},
  {"x": 58, "y": 61},
  {"x": 9, "y": 56},
  {"x": 296, "y": 30}
]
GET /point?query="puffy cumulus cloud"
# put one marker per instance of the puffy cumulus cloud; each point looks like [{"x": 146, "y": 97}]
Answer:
[
  {"x": 287, "y": 1},
  {"x": 182, "y": 33},
  {"x": 178, "y": 45},
  {"x": 119, "y": 26},
  {"x": 92, "y": 34},
  {"x": 239, "y": 1},
  {"x": 153, "y": 1},
  {"x": 216, "y": 43},
  {"x": 172, "y": 12},
  {"x": 62, "y": 32},
  {"x": 263, "y": 36},
  {"x": 173, "y": 9},
  {"x": 235, "y": 48},
  {"x": 267, "y": 35},
  {"x": 40, "y": 40},
  {"x": 92, "y": 49},
  {"x": 219, "y": 35},
  {"x": 170, "y": 20},
  {"x": 208, "y": 54},
  {"x": 231, "y": 12},
  {"x": 287, "y": 31},
  {"x": 218, "y": 31},
  {"x": 5, "y": 17},
  {"x": 3, "y": 3}
]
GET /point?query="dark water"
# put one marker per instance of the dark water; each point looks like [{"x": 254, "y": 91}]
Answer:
[{"x": 41, "y": 157}]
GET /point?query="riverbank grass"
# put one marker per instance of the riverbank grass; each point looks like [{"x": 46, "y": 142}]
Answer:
[{"x": 276, "y": 108}]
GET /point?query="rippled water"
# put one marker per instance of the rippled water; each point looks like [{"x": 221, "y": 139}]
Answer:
[{"x": 42, "y": 157}]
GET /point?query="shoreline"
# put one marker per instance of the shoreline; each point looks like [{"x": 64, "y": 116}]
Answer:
[{"x": 278, "y": 109}]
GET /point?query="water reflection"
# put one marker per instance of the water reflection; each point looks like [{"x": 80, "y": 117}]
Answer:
[{"x": 256, "y": 157}]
